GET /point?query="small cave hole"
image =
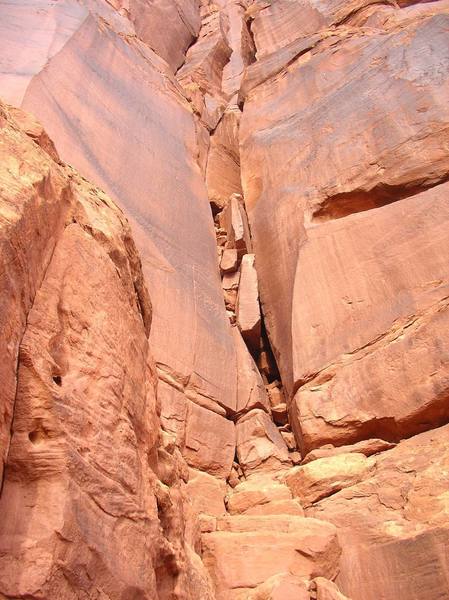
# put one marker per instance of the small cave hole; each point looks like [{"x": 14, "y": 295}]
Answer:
[
  {"x": 57, "y": 379},
  {"x": 35, "y": 437}
]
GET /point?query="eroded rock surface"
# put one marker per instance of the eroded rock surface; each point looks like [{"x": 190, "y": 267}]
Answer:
[{"x": 92, "y": 502}]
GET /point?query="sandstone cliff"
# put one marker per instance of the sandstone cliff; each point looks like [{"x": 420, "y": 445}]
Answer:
[{"x": 243, "y": 392}]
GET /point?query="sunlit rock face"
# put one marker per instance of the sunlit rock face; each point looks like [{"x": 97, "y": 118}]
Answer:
[{"x": 338, "y": 150}]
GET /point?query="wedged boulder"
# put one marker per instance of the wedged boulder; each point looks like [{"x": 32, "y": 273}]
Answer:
[
  {"x": 279, "y": 587},
  {"x": 260, "y": 446},
  {"x": 173, "y": 411},
  {"x": 201, "y": 429},
  {"x": 223, "y": 163},
  {"x": 393, "y": 525},
  {"x": 245, "y": 551},
  {"x": 323, "y": 589},
  {"x": 210, "y": 441},
  {"x": 229, "y": 261},
  {"x": 326, "y": 476},
  {"x": 240, "y": 41},
  {"x": 248, "y": 309},
  {"x": 202, "y": 72},
  {"x": 251, "y": 391},
  {"x": 234, "y": 220},
  {"x": 207, "y": 493}
]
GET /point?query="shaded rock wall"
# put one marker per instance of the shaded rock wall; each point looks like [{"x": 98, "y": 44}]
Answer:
[{"x": 90, "y": 485}]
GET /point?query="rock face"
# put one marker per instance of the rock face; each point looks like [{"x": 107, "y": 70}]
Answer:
[
  {"x": 339, "y": 305},
  {"x": 395, "y": 522},
  {"x": 273, "y": 423},
  {"x": 167, "y": 207},
  {"x": 88, "y": 490}
]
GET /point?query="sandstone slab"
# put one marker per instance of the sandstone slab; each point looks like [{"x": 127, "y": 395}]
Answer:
[
  {"x": 326, "y": 590},
  {"x": 280, "y": 587},
  {"x": 251, "y": 391},
  {"x": 223, "y": 163},
  {"x": 246, "y": 551},
  {"x": 326, "y": 476},
  {"x": 207, "y": 493},
  {"x": 332, "y": 224},
  {"x": 366, "y": 447},
  {"x": 210, "y": 441},
  {"x": 132, "y": 98},
  {"x": 256, "y": 491}
]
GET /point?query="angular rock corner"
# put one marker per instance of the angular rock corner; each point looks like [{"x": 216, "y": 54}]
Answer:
[{"x": 224, "y": 300}]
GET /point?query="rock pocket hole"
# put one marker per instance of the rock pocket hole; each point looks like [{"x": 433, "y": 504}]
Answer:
[
  {"x": 57, "y": 379},
  {"x": 36, "y": 437}
]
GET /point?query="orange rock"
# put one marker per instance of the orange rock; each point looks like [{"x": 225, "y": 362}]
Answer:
[
  {"x": 326, "y": 590},
  {"x": 229, "y": 261},
  {"x": 240, "y": 41},
  {"x": 34, "y": 130},
  {"x": 356, "y": 332},
  {"x": 92, "y": 498},
  {"x": 280, "y": 587},
  {"x": 223, "y": 165},
  {"x": 254, "y": 492},
  {"x": 169, "y": 27},
  {"x": 251, "y": 391},
  {"x": 207, "y": 493},
  {"x": 366, "y": 447},
  {"x": 283, "y": 22},
  {"x": 201, "y": 74},
  {"x": 33, "y": 208},
  {"x": 259, "y": 443},
  {"x": 248, "y": 309},
  {"x": 326, "y": 476},
  {"x": 144, "y": 117},
  {"x": 234, "y": 221},
  {"x": 277, "y": 507},
  {"x": 393, "y": 524},
  {"x": 210, "y": 441},
  {"x": 246, "y": 551}
]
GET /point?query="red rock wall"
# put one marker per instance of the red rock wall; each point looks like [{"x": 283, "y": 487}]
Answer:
[{"x": 271, "y": 424}]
